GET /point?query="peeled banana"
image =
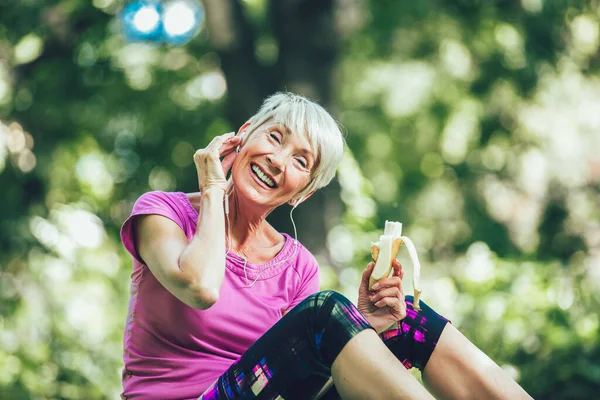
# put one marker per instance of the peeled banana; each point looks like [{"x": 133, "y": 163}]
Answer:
[{"x": 386, "y": 250}]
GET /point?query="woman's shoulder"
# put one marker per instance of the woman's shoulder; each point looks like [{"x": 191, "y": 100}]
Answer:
[
  {"x": 158, "y": 198},
  {"x": 305, "y": 261},
  {"x": 169, "y": 204},
  {"x": 155, "y": 197},
  {"x": 194, "y": 199}
]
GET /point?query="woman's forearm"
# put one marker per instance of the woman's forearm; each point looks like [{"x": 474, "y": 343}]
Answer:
[{"x": 203, "y": 261}]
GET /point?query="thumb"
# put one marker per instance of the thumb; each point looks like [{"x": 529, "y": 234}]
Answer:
[{"x": 367, "y": 274}]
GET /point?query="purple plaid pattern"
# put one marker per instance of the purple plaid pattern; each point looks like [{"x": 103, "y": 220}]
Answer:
[
  {"x": 416, "y": 336},
  {"x": 293, "y": 359}
]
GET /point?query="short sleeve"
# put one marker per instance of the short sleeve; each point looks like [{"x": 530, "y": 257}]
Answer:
[
  {"x": 166, "y": 204},
  {"x": 310, "y": 281}
]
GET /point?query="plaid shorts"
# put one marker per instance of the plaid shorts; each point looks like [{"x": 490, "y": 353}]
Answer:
[{"x": 293, "y": 359}]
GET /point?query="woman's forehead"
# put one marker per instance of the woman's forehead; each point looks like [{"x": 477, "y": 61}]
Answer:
[{"x": 292, "y": 131}]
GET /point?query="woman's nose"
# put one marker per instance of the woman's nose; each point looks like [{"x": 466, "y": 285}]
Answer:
[{"x": 277, "y": 160}]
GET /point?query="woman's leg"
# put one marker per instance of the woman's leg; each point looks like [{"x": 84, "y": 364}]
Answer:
[
  {"x": 365, "y": 369},
  {"x": 416, "y": 336},
  {"x": 323, "y": 335},
  {"x": 412, "y": 341},
  {"x": 459, "y": 370},
  {"x": 452, "y": 366}
]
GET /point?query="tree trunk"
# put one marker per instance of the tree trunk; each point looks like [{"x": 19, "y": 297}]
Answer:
[{"x": 308, "y": 50}]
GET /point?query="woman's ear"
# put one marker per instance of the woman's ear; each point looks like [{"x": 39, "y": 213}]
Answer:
[
  {"x": 243, "y": 128},
  {"x": 302, "y": 199},
  {"x": 241, "y": 132}
]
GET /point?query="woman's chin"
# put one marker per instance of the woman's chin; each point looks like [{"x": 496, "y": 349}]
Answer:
[
  {"x": 254, "y": 193},
  {"x": 252, "y": 189}
]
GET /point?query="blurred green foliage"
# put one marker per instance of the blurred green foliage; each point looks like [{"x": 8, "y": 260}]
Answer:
[{"x": 475, "y": 123}]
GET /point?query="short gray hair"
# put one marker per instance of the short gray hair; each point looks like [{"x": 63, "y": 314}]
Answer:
[{"x": 304, "y": 116}]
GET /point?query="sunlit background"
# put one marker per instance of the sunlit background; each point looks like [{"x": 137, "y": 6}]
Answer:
[{"x": 476, "y": 124}]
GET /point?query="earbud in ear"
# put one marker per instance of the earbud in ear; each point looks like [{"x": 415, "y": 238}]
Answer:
[{"x": 237, "y": 149}]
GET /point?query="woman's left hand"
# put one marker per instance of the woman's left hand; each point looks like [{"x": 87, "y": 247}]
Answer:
[{"x": 384, "y": 306}]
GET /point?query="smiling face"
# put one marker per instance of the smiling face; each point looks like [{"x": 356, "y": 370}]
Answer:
[
  {"x": 273, "y": 165},
  {"x": 276, "y": 164}
]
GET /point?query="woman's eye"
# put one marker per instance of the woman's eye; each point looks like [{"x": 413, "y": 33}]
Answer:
[
  {"x": 275, "y": 137},
  {"x": 302, "y": 162}
]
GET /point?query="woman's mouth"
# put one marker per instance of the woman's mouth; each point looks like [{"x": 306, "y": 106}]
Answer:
[{"x": 262, "y": 176}]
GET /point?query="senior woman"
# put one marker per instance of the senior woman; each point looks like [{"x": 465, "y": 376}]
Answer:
[{"x": 223, "y": 306}]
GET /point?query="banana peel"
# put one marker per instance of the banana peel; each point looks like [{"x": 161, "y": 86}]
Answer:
[{"x": 386, "y": 250}]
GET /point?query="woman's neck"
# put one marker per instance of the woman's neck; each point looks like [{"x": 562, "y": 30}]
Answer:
[{"x": 247, "y": 227}]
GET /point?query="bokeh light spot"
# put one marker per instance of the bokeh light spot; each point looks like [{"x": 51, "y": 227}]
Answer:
[
  {"x": 28, "y": 49},
  {"x": 146, "y": 19}
]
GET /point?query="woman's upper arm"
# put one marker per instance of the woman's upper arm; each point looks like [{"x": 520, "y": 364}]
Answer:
[{"x": 160, "y": 243}]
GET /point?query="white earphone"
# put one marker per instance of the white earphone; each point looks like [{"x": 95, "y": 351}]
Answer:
[{"x": 295, "y": 202}]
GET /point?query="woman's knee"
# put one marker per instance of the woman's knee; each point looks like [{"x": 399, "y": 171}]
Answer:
[
  {"x": 424, "y": 309},
  {"x": 326, "y": 298},
  {"x": 329, "y": 307},
  {"x": 417, "y": 335},
  {"x": 333, "y": 320}
]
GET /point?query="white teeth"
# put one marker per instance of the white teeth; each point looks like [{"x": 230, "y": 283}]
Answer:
[{"x": 262, "y": 176}]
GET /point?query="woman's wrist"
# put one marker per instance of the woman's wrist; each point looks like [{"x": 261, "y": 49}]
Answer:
[
  {"x": 380, "y": 328},
  {"x": 213, "y": 192}
]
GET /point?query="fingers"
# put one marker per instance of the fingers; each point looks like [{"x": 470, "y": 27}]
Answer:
[
  {"x": 218, "y": 147},
  {"x": 211, "y": 171},
  {"x": 227, "y": 162},
  {"x": 388, "y": 287},
  {"x": 393, "y": 303},
  {"x": 387, "y": 292},
  {"x": 217, "y": 141},
  {"x": 229, "y": 145},
  {"x": 214, "y": 147},
  {"x": 222, "y": 144},
  {"x": 398, "y": 270},
  {"x": 393, "y": 281},
  {"x": 367, "y": 273}
]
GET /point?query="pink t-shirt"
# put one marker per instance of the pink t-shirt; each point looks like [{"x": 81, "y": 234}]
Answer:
[{"x": 173, "y": 351}]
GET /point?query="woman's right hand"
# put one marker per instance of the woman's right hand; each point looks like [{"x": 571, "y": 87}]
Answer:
[
  {"x": 212, "y": 172},
  {"x": 384, "y": 306}
]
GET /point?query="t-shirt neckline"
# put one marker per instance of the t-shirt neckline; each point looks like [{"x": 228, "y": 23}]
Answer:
[{"x": 235, "y": 262}]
